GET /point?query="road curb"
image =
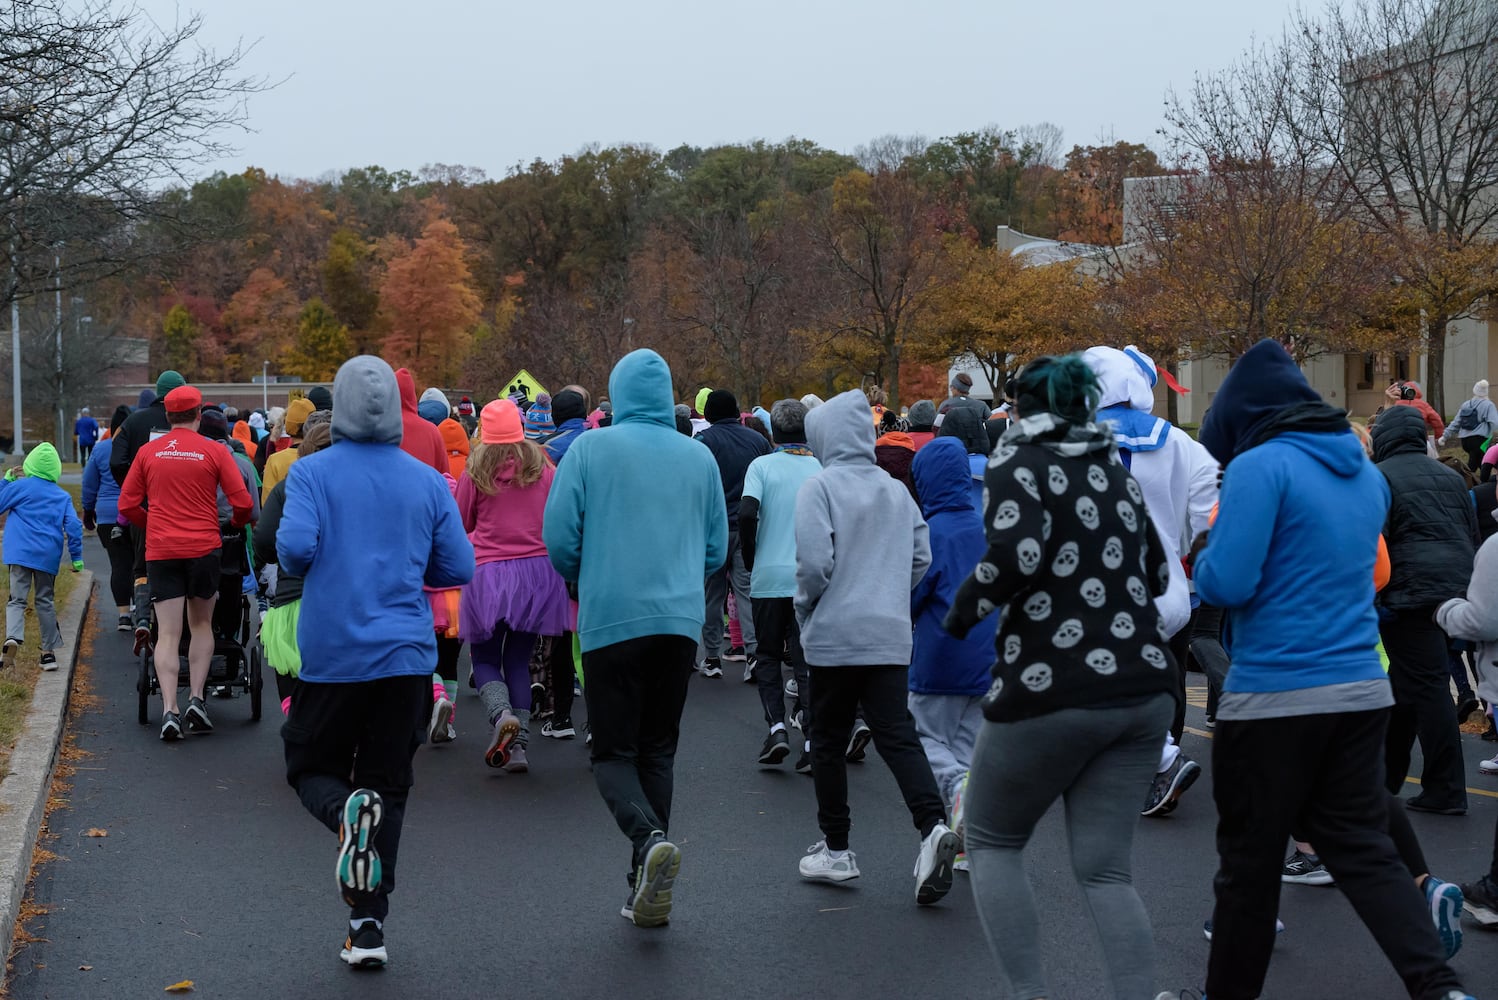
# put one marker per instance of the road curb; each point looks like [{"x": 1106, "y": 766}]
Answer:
[{"x": 23, "y": 793}]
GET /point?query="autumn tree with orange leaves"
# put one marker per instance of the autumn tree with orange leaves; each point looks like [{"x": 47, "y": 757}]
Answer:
[{"x": 428, "y": 305}]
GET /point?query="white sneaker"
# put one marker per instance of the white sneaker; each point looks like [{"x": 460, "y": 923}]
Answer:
[
  {"x": 1489, "y": 766},
  {"x": 749, "y": 671},
  {"x": 819, "y": 865},
  {"x": 439, "y": 729},
  {"x": 792, "y": 688},
  {"x": 933, "y": 866}
]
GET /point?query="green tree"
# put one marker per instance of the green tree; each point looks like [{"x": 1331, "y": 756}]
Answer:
[
  {"x": 346, "y": 281},
  {"x": 180, "y": 338},
  {"x": 322, "y": 343}
]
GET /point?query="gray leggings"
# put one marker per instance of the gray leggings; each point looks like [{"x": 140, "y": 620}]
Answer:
[{"x": 1101, "y": 760}]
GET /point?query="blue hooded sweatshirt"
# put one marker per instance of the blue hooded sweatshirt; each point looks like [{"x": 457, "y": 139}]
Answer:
[
  {"x": 942, "y": 663},
  {"x": 636, "y": 515},
  {"x": 101, "y": 494},
  {"x": 39, "y": 515},
  {"x": 1292, "y": 551},
  {"x": 366, "y": 526}
]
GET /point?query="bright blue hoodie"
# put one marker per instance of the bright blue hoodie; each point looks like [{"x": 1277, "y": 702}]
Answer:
[
  {"x": 942, "y": 663},
  {"x": 366, "y": 526},
  {"x": 101, "y": 494},
  {"x": 636, "y": 515},
  {"x": 1291, "y": 553},
  {"x": 40, "y": 515}
]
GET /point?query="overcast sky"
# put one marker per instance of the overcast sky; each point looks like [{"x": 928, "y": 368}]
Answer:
[{"x": 493, "y": 83}]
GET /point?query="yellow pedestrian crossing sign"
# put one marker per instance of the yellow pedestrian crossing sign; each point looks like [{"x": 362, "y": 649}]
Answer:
[{"x": 523, "y": 382}]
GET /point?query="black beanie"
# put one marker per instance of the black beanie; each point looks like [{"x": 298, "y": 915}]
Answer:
[
  {"x": 567, "y": 405},
  {"x": 320, "y": 398},
  {"x": 213, "y": 425},
  {"x": 720, "y": 405}
]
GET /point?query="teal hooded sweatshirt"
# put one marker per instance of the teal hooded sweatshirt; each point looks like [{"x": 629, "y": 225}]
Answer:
[{"x": 636, "y": 515}]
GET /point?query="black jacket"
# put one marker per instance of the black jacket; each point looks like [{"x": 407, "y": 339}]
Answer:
[
  {"x": 288, "y": 587},
  {"x": 734, "y": 446},
  {"x": 134, "y": 434},
  {"x": 1432, "y": 527}
]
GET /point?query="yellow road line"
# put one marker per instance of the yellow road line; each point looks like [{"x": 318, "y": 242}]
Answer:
[{"x": 1486, "y": 793}]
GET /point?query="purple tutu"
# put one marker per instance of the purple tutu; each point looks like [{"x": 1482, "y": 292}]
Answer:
[{"x": 526, "y": 594}]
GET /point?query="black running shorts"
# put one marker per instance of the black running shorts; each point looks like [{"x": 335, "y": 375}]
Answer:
[{"x": 173, "y": 578}]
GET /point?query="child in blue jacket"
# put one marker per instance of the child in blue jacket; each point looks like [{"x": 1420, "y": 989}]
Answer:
[{"x": 40, "y": 515}]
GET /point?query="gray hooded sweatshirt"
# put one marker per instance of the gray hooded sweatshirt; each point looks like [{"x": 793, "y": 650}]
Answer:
[
  {"x": 366, "y": 402},
  {"x": 861, "y": 545}
]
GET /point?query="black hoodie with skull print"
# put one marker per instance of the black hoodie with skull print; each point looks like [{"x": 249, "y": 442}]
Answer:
[{"x": 1073, "y": 565}]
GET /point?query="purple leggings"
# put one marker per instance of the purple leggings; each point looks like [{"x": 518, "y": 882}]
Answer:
[{"x": 506, "y": 656}]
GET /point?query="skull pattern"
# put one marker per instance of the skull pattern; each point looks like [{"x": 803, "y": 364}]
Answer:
[
  {"x": 1002, "y": 454},
  {"x": 1103, "y": 661},
  {"x": 1011, "y": 648},
  {"x": 1122, "y": 626},
  {"x": 1135, "y": 493},
  {"x": 1138, "y": 591},
  {"x": 1087, "y": 513},
  {"x": 1126, "y": 514},
  {"x": 1068, "y": 558},
  {"x": 1057, "y": 481},
  {"x": 1068, "y": 634},
  {"x": 1038, "y": 606},
  {"x": 1007, "y": 516},
  {"x": 986, "y": 573},
  {"x": 1113, "y": 553},
  {"x": 1028, "y": 553},
  {"x": 1097, "y": 478},
  {"x": 1026, "y": 480},
  {"x": 1036, "y": 677},
  {"x": 1154, "y": 656},
  {"x": 1094, "y": 593}
]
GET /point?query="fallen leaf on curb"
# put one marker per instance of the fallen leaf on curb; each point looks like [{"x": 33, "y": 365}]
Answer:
[
  {"x": 95, "y": 831},
  {"x": 183, "y": 987},
  {"x": 85, "y": 968}
]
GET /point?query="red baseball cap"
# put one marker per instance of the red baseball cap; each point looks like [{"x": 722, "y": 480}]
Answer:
[{"x": 182, "y": 399}]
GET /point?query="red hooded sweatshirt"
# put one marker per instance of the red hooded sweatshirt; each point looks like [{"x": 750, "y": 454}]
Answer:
[{"x": 419, "y": 438}]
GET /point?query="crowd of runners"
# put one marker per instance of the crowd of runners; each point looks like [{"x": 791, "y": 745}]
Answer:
[{"x": 1004, "y": 600}]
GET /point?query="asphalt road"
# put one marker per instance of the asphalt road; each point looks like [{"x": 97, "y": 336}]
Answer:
[{"x": 511, "y": 885}]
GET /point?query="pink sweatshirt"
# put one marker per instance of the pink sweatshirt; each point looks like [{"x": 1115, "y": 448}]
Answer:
[{"x": 506, "y": 525}]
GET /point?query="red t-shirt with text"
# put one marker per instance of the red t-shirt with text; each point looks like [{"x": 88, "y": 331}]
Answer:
[{"x": 179, "y": 475}]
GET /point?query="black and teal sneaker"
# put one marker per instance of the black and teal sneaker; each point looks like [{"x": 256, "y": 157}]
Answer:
[{"x": 359, "y": 873}]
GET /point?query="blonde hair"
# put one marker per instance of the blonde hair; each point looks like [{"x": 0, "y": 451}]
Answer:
[{"x": 488, "y": 460}]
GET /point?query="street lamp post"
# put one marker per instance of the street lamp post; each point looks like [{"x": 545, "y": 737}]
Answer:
[
  {"x": 15, "y": 371},
  {"x": 265, "y": 386}
]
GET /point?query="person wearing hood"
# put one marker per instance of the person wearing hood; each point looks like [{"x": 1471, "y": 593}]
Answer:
[
  {"x": 1082, "y": 682},
  {"x": 922, "y": 423},
  {"x": 1179, "y": 480},
  {"x": 1474, "y": 423},
  {"x": 279, "y": 463},
  {"x": 965, "y": 424},
  {"x": 947, "y": 675},
  {"x": 861, "y": 548},
  {"x": 143, "y": 426},
  {"x": 179, "y": 476},
  {"x": 455, "y": 440},
  {"x": 243, "y": 431},
  {"x": 515, "y": 596},
  {"x": 145, "y": 399},
  {"x": 363, "y": 698},
  {"x": 569, "y": 410},
  {"x": 101, "y": 512},
  {"x": 39, "y": 518},
  {"x": 538, "y": 418},
  {"x": 636, "y": 519},
  {"x": 1304, "y": 709},
  {"x": 419, "y": 438},
  {"x": 433, "y": 406},
  {"x": 767, "y": 536},
  {"x": 1408, "y": 393},
  {"x": 733, "y": 446},
  {"x": 1432, "y": 537}
]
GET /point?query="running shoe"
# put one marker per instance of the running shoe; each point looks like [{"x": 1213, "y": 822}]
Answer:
[
  {"x": 818, "y": 864},
  {"x": 961, "y": 864},
  {"x": 8, "y": 659},
  {"x": 712, "y": 667},
  {"x": 792, "y": 688},
  {"x": 1489, "y": 766},
  {"x": 517, "y": 764},
  {"x": 1169, "y": 785},
  {"x": 1211, "y": 722},
  {"x": 777, "y": 747},
  {"x": 506, "y": 728},
  {"x": 749, "y": 666},
  {"x": 365, "y": 948},
  {"x": 48, "y": 661},
  {"x": 171, "y": 727},
  {"x": 125, "y": 624},
  {"x": 859, "y": 743},
  {"x": 142, "y": 639},
  {"x": 933, "y": 865},
  {"x": 558, "y": 729},
  {"x": 358, "y": 871},
  {"x": 735, "y": 653},
  {"x": 587, "y": 734},
  {"x": 1480, "y": 899},
  {"x": 442, "y": 715},
  {"x": 1305, "y": 869},
  {"x": 1469, "y": 705},
  {"x": 196, "y": 717},
  {"x": 1418, "y": 803},
  {"x": 1279, "y": 928},
  {"x": 803, "y": 763},
  {"x": 1445, "y": 902},
  {"x": 798, "y": 720},
  {"x": 649, "y": 904}
]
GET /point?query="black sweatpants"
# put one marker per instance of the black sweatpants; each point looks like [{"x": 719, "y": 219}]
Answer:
[
  {"x": 836, "y": 696},
  {"x": 563, "y": 675},
  {"x": 1416, "y": 647},
  {"x": 635, "y": 691},
  {"x": 1472, "y": 445},
  {"x": 1320, "y": 776},
  {"x": 340, "y": 737},
  {"x": 120, "y": 548},
  {"x": 779, "y": 642}
]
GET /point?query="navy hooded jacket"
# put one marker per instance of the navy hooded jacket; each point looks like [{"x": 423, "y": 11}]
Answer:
[{"x": 940, "y": 662}]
